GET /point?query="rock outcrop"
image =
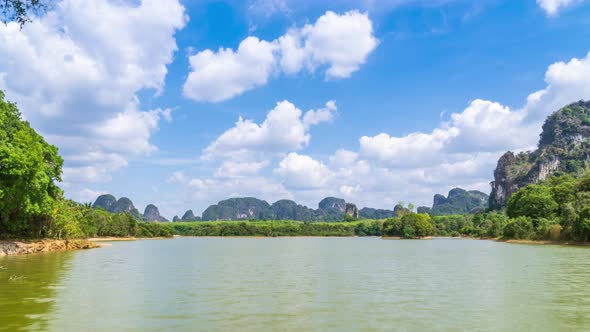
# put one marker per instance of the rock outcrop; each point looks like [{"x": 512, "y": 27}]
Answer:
[
  {"x": 152, "y": 213},
  {"x": 106, "y": 202},
  {"x": 458, "y": 201},
  {"x": 564, "y": 147},
  {"x": 351, "y": 210},
  {"x": 237, "y": 209},
  {"x": 125, "y": 205},
  {"x": 190, "y": 216},
  {"x": 332, "y": 203}
]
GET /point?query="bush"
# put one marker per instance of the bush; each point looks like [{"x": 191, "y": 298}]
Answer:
[{"x": 520, "y": 228}]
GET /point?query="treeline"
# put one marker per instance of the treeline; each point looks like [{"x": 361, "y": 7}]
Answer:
[
  {"x": 72, "y": 220},
  {"x": 557, "y": 209},
  {"x": 276, "y": 228}
]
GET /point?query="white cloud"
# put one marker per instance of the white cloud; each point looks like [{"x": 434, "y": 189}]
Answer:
[
  {"x": 301, "y": 171},
  {"x": 76, "y": 72},
  {"x": 177, "y": 177},
  {"x": 284, "y": 129},
  {"x": 343, "y": 158},
  {"x": 211, "y": 190},
  {"x": 552, "y": 7},
  {"x": 217, "y": 76},
  {"x": 233, "y": 169},
  {"x": 341, "y": 43},
  {"x": 326, "y": 114}
]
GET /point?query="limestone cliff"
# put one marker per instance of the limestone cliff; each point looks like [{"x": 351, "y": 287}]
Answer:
[{"x": 564, "y": 147}]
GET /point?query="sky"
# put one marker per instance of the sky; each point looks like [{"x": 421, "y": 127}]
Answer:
[{"x": 185, "y": 103}]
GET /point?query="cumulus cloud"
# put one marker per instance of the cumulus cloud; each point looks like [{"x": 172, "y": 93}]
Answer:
[
  {"x": 301, "y": 171},
  {"x": 76, "y": 72},
  {"x": 221, "y": 75},
  {"x": 285, "y": 128},
  {"x": 235, "y": 169},
  {"x": 341, "y": 43},
  {"x": 552, "y": 7}
]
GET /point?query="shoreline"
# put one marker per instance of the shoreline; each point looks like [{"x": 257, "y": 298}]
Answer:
[{"x": 30, "y": 247}]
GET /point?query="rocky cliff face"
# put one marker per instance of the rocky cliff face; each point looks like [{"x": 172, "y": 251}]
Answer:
[
  {"x": 152, "y": 213},
  {"x": 351, "y": 210},
  {"x": 564, "y": 147}
]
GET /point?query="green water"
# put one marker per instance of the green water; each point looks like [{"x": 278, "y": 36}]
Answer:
[{"x": 299, "y": 284}]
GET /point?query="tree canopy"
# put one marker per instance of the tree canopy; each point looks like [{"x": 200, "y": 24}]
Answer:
[{"x": 29, "y": 170}]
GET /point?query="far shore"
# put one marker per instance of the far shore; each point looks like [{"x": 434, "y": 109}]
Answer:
[{"x": 28, "y": 247}]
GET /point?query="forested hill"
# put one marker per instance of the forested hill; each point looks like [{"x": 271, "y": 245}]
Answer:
[
  {"x": 458, "y": 201},
  {"x": 564, "y": 148}
]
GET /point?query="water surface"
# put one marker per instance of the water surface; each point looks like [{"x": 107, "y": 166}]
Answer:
[{"x": 299, "y": 284}]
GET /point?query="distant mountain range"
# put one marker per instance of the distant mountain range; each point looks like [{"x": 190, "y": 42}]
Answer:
[{"x": 459, "y": 201}]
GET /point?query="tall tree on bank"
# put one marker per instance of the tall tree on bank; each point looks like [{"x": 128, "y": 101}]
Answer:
[
  {"x": 29, "y": 170},
  {"x": 20, "y": 10}
]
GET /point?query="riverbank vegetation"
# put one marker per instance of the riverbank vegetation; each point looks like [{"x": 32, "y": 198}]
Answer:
[{"x": 31, "y": 203}]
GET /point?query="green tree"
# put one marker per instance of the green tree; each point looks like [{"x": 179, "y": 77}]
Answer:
[
  {"x": 29, "y": 169},
  {"x": 535, "y": 201}
]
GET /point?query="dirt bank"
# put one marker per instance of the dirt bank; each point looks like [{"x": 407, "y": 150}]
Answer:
[{"x": 15, "y": 247}]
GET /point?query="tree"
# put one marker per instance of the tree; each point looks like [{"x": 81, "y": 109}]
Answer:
[
  {"x": 29, "y": 169},
  {"x": 534, "y": 201},
  {"x": 20, "y": 11}
]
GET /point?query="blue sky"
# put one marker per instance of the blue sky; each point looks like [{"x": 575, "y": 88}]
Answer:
[{"x": 373, "y": 101}]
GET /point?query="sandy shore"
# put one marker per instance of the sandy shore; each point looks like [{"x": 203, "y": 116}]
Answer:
[
  {"x": 111, "y": 239},
  {"x": 546, "y": 242}
]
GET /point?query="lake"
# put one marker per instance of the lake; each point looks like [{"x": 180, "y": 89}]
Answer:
[{"x": 299, "y": 284}]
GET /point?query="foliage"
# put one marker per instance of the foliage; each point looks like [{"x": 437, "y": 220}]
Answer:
[
  {"x": 534, "y": 201},
  {"x": 409, "y": 226},
  {"x": 275, "y": 228},
  {"x": 29, "y": 168}
]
